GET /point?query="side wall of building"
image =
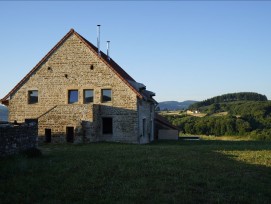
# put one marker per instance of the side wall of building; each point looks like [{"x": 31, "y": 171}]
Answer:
[
  {"x": 145, "y": 121},
  {"x": 73, "y": 66}
]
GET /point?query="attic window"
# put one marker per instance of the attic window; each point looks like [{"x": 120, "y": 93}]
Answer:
[{"x": 33, "y": 97}]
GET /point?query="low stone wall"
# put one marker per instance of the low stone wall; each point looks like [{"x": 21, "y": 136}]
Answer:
[{"x": 16, "y": 138}]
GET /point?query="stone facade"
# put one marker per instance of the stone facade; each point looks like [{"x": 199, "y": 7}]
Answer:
[
  {"x": 14, "y": 139},
  {"x": 73, "y": 65}
]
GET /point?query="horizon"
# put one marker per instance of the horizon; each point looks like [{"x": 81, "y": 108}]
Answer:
[{"x": 180, "y": 50}]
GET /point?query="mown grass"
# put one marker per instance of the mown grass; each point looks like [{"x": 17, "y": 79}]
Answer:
[{"x": 163, "y": 172}]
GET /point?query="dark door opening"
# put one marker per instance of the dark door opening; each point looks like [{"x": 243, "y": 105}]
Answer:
[
  {"x": 107, "y": 126},
  {"x": 69, "y": 134},
  {"x": 48, "y": 135}
]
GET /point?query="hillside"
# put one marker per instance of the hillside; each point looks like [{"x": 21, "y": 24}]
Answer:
[
  {"x": 240, "y": 118},
  {"x": 230, "y": 97},
  {"x": 175, "y": 105}
]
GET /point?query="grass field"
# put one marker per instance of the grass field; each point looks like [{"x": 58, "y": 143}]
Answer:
[{"x": 164, "y": 172}]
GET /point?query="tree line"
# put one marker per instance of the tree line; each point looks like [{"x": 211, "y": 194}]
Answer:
[
  {"x": 230, "y": 97},
  {"x": 243, "y": 119}
]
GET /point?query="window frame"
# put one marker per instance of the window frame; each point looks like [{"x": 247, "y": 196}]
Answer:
[
  {"x": 29, "y": 97},
  {"x": 84, "y": 96},
  {"x": 102, "y": 95},
  {"x": 69, "y": 91}
]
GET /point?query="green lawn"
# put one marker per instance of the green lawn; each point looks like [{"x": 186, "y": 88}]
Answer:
[{"x": 163, "y": 172}]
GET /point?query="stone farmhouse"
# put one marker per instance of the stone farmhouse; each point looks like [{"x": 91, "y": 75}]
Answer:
[{"x": 78, "y": 94}]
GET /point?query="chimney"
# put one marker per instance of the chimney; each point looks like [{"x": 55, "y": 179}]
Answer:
[
  {"x": 108, "y": 57},
  {"x": 98, "y": 39}
]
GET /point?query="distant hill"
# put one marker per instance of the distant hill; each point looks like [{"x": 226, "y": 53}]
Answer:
[
  {"x": 175, "y": 105},
  {"x": 230, "y": 97}
]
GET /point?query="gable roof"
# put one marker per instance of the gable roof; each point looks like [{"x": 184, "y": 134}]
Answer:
[{"x": 126, "y": 78}]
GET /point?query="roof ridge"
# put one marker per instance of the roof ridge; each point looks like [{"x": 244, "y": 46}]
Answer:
[{"x": 124, "y": 76}]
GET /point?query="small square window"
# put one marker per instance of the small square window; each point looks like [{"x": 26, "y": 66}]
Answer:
[
  {"x": 72, "y": 96},
  {"x": 33, "y": 97},
  {"x": 88, "y": 96},
  {"x": 106, "y": 95}
]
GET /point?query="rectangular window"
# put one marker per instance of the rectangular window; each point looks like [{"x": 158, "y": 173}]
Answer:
[
  {"x": 144, "y": 127},
  {"x": 88, "y": 96},
  {"x": 72, "y": 96},
  {"x": 33, "y": 97},
  {"x": 107, "y": 126},
  {"x": 106, "y": 95}
]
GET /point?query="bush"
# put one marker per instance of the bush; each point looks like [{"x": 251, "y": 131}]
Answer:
[
  {"x": 32, "y": 152},
  {"x": 264, "y": 135}
]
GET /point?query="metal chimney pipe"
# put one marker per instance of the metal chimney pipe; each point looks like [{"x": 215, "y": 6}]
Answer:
[
  {"x": 98, "y": 39},
  {"x": 108, "y": 57}
]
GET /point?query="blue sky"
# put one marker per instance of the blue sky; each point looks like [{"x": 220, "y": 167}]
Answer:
[{"x": 181, "y": 50}]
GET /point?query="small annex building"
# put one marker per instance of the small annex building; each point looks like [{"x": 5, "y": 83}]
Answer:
[{"x": 77, "y": 93}]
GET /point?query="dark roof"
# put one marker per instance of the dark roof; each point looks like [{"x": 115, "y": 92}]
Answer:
[
  {"x": 110, "y": 63},
  {"x": 160, "y": 119}
]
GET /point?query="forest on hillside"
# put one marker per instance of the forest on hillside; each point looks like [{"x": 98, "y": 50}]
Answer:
[
  {"x": 230, "y": 97},
  {"x": 242, "y": 118}
]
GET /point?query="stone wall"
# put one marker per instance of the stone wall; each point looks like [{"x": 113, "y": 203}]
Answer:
[
  {"x": 71, "y": 115},
  {"x": 125, "y": 124},
  {"x": 74, "y": 66},
  {"x": 14, "y": 139},
  {"x": 146, "y": 128}
]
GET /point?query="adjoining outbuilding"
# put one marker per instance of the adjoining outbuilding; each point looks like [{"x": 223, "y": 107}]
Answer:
[{"x": 164, "y": 130}]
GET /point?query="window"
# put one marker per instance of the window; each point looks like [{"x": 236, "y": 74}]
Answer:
[
  {"x": 144, "y": 127},
  {"x": 107, "y": 126},
  {"x": 106, "y": 95},
  {"x": 88, "y": 96},
  {"x": 72, "y": 96},
  {"x": 33, "y": 97}
]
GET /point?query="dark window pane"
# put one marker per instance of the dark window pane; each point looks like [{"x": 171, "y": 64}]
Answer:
[
  {"x": 88, "y": 96},
  {"x": 106, "y": 95},
  {"x": 107, "y": 126},
  {"x": 73, "y": 96},
  {"x": 33, "y": 97},
  {"x": 144, "y": 127}
]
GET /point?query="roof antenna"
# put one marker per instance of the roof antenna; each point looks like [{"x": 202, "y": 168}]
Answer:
[
  {"x": 98, "y": 39},
  {"x": 108, "y": 57}
]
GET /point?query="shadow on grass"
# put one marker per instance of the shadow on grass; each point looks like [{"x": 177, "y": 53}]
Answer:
[{"x": 162, "y": 172}]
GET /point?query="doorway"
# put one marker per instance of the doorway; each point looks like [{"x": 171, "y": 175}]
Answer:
[
  {"x": 69, "y": 134},
  {"x": 48, "y": 135}
]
